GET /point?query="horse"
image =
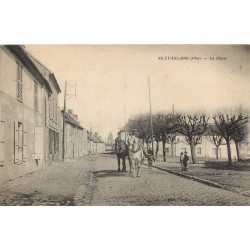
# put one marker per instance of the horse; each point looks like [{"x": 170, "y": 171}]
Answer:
[
  {"x": 121, "y": 151},
  {"x": 135, "y": 158}
]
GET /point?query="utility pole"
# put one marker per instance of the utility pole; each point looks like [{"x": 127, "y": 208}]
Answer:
[
  {"x": 151, "y": 120},
  {"x": 64, "y": 112}
]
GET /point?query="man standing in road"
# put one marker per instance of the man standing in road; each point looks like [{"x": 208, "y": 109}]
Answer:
[
  {"x": 181, "y": 161},
  {"x": 185, "y": 161}
]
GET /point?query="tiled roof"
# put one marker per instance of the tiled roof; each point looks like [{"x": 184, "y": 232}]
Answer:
[
  {"x": 93, "y": 138},
  {"x": 70, "y": 119},
  {"x": 41, "y": 68}
]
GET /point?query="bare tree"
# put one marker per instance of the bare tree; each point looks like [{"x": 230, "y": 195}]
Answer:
[
  {"x": 238, "y": 137},
  {"x": 192, "y": 127},
  {"x": 229, "y": 123},
  {"x": 169, "y": 126},
  {"x": 172, "y": 140},
  {"x": 214, "y": 138}
]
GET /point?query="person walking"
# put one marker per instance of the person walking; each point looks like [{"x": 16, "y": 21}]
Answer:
[
  {"x": 181, "y": 161},
  {"x": 185, "y": 161}
]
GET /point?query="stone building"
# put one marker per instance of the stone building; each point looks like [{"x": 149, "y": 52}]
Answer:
[
  {"x": 27, "y": 113},
  {"x": 76, "y": 137}
]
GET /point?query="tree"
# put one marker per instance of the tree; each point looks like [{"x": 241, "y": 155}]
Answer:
[
  {"x": 238, "y": 137},
  {"x": 192, "y": 127},
  {"x": 229, "y": 123},
  {"x": 215, "y": 139},
  {"x": 164, "y": 124},
  {"x": 141, "y": 123},
  {"x": 172, "y": 140}
]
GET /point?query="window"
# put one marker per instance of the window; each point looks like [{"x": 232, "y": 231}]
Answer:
[
  {"x": 20, "y": 143},
  {"x": 184, "y": 150},
  {"x": 35, "y": 96},
  {"x": 19, "y": 81},
  {"x": 198, "y": 151},
  {"x": 167, "y": 150}
]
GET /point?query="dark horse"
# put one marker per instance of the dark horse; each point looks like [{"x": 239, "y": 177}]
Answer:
[{"x": 122, "y": 151}]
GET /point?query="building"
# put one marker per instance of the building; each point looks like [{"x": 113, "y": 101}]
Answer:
[
  {"x": 27, "y": 113},
  {"x": 51, "y": 108},
  {"x": 76, "y": 137},
  {"x": 206, "y": 149},
  {"x": 96, "y": 144},
  {"x": 110, "y": 142}
]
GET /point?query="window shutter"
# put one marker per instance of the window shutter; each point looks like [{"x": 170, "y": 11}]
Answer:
[
  {"x": 15, "y": 142},
  {"x": 2, "y": 158},
  {"x": 24, "y": 142}
]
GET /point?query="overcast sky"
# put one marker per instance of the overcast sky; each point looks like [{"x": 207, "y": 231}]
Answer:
[{"x": 111, "y": 77}]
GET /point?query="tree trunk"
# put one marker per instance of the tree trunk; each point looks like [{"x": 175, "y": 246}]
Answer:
[
  {"x": 217, "y": 152},
  {"x": 157, "y": 149},
  {"x": 172, "y": 146},
  {"x": 164, "y": 150},
  {"x": 229, "y": 153},
  {"x": 238, "y": 151},
  {"x": 193, "y": 153}
]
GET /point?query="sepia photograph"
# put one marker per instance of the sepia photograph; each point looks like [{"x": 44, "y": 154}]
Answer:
[{"x": 124, "y": 125}]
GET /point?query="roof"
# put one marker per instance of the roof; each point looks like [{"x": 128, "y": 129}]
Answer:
[
  {"x": 71, "y": 120},
  {"x": 41, "y": 68},
  {"x": 93, "y": 138},
  {"x": 23, "y": 56},
  {"x": 96, "y": 139}
]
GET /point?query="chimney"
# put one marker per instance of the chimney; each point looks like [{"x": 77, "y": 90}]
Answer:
[
  {"x": 76, "y": 117},
  {"x": 96, "y": 134},
  {"x": 70, "y": 111}
]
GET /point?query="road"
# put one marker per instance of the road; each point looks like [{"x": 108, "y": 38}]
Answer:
[{"x": 94, "y": 181}]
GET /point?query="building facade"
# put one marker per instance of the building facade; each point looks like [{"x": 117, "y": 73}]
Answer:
[
  {"x": 24, "y": 113},
  {"x": 75, "y": 138},
  {"x": 206, "y": 149}
]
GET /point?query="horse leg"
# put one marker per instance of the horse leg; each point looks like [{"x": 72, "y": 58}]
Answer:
[
  {"x": 118, "y": 160},
  {"x": 138, "y": 168},
  {"x": 134, "y": 166},
  {"x": 124, "y": 164},
  {"x": 130, "y": 165}
]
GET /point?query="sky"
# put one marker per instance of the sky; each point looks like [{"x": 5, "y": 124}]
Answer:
[{"x": 112, "y": 80}]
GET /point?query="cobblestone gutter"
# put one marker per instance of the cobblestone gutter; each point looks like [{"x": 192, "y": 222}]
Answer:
[{"x": 206, "y": 182}]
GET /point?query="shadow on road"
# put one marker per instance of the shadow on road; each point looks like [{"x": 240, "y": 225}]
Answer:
[{"x": 109, "y": 173}]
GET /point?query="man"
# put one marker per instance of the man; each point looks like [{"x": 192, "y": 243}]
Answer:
[
  {"x": 181, "y": 161},
  {"x": 118, "y": 140},
  {"x": 185, "y": 161}
]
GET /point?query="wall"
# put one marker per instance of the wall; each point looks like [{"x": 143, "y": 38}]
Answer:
[{"x": 13, "y": 111}]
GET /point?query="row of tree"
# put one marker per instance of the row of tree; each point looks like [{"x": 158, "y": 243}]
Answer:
[{"x": 224, "y": 126}]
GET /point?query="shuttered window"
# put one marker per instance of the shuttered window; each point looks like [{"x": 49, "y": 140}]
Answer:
[
  {"x": 20, "y": 142},
  {"x": 19, "y": 81}
]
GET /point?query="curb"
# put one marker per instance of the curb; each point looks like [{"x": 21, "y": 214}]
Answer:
[{"x": 206, "y": 182}]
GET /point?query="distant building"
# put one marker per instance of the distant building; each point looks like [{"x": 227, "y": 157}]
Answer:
[
  {"x": 96, "y": 144},
  {"x": 76, "y": 137},
  {"x": 27, "y": 113},
  {"x": 110, "y": 142},
  {"x": 205, "y": 149}
]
